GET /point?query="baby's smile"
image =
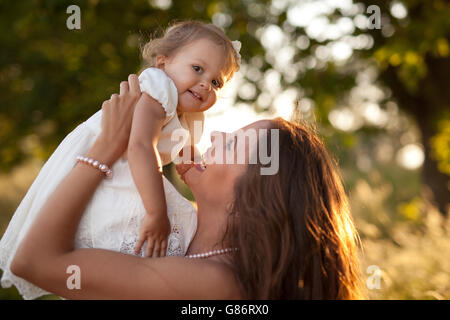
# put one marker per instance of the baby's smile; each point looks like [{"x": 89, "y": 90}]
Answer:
[{"x": 195, "y": 95}]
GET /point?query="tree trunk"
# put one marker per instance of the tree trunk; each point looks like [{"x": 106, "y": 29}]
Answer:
[
  {"x": 437, "y": 182},
  {"x": 427, "y": 106}
]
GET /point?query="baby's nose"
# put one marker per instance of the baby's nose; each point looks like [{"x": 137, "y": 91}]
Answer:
[{"x": 205, "y": 85}]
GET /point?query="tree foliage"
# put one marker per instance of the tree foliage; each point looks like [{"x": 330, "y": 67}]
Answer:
[{"x": 53, "y": 78}]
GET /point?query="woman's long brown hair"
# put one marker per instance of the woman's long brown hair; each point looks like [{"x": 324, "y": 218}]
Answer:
[{"x": 294, "y": 231}]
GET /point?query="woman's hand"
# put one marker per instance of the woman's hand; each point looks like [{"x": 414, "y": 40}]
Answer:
[{"x": 117, "y": 115}]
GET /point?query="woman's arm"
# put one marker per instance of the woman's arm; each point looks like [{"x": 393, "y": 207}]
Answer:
[
  {"x": 117, "y": 114},
  {"x": 47, "y": 250},
  {"x": 146, "y": 169}
]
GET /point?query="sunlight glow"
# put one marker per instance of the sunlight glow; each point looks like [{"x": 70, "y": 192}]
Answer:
[
  {"x": 344, "y": 119},
  {"x": 272, "y": 36},
  {"x": 398, "y": 10},
  {"x": 374, "y": 114},
  {"x": 161, "y": 4},
  {"x": 411, "y": 156},
  {"x": 341, "y": 50}
]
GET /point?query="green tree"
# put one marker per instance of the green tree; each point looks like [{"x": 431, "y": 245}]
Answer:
[
  {"x": 52, "y": 78},
  {"x": 414, "y": 62}
]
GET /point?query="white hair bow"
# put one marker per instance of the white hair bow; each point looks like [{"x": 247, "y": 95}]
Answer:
[{"x": 237, "y": 47}]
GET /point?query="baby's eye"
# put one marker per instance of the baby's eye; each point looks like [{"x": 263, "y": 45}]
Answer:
[
  {"x": 216, "y": 83},
  {"x": 197, "y": 68}
]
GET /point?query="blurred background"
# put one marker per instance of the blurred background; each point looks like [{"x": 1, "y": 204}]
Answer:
[{"x": 373, "y": 76}]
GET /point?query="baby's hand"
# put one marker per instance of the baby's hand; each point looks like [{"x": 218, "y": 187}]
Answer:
[
  {"x": 182, "y": 168},
  {"x": 155, "y": 229}
]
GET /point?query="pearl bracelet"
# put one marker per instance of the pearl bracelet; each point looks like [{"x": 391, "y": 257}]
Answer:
[{"x": 94, "y": 163}]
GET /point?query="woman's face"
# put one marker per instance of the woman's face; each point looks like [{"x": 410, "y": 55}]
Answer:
[{"x": 226, "y": 160}]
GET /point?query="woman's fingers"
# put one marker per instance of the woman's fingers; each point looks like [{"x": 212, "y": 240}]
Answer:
[
  {"x": 133, "y": 83},
  {"x": 124, "y": 87},
  {"x": 117, "y": 117}
]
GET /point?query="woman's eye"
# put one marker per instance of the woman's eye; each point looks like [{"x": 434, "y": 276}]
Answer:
[{"x": 197, "y": 68}]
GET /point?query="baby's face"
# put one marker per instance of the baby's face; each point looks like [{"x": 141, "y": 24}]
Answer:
[{"x": 196, "y": 70}]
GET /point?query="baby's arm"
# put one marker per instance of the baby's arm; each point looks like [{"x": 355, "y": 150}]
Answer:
[{"x": 146, "y": 170}]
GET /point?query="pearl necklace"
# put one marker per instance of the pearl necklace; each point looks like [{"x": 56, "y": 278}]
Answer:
[{"x": 209, "y": 253}]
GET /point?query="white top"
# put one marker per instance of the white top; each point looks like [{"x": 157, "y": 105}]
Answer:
[
  {"x": 113, "y": 216},
  {"x": 176, "y": 131}
]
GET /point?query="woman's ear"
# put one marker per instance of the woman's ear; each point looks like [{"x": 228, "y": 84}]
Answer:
[
  {"x": 160, "y": 61},
  {"x": 229, "y": 208}
]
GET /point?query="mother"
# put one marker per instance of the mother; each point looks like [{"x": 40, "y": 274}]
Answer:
[{"x": 293, "y": 231}]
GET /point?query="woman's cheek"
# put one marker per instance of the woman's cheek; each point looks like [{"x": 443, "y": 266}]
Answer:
[
  {"x": 191, "y": 177},
  {"x": 221, "y": 178}
]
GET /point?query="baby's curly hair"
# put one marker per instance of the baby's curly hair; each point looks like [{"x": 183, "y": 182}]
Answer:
[{"x": 182, "y": 33}]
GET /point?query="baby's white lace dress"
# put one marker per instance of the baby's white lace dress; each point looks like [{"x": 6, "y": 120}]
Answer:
[{"x": 113, "y": 216}]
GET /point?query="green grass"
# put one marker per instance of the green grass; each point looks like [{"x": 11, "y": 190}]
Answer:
[{"x": 408, "y": 241}]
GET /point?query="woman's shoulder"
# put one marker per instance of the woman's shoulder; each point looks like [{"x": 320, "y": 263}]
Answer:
[
  {"x": 199, "y": 278},
  {"x": 222, "y": 281},
  {"x": 226, "y": 279}
]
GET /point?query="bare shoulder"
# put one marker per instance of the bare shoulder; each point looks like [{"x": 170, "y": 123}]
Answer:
[
  {"x": 107, "y": 274},
  {"x": 199, "y": 278}
]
